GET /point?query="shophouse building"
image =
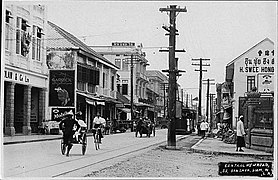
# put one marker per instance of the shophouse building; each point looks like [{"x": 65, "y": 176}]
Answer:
[
  {"x": 253, "y": 68},
  {"x": 80, "y": 79},
  {"x": 131, "y": 61},
  {"x": 157, "y": 88},
  {"x": 25, "y": 71},
  {"x": 249, "y": 91}
]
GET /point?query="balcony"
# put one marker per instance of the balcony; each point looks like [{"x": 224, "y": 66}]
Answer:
[
  {"x": 141, "y": 76},
  {"x": 106, "y": 92}
]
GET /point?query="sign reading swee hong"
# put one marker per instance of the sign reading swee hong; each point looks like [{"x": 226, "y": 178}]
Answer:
[{"x": 262, "y": 169}]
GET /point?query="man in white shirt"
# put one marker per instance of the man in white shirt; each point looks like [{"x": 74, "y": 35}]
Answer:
[
  {"x": 98, "y": 122},
  {"x": 240, "y": 134},
  {"x": 203, "y": 128}
]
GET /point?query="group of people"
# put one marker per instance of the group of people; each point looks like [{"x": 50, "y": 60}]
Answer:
[
  {"x": 71, "y": 128},
  {"x": 240, "y": 133}
]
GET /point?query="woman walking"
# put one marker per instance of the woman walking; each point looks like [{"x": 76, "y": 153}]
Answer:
[{"x": 240, "y": 134}]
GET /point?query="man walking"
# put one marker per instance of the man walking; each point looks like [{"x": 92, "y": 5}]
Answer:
[
  {"x": 203, "y": 128},
  {"x": 240, "y": 134}
]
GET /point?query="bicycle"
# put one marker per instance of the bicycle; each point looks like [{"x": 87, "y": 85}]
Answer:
[{"x": 97, "y": 138}]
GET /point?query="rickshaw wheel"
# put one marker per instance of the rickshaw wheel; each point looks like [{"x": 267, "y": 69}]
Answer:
[
  {"x": 63, "y": 147},
  {"x": 84, "y": 144}
]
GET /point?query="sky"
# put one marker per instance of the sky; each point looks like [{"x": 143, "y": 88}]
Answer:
[{"x": 219, "y": 31}]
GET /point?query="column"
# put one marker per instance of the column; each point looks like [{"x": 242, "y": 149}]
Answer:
[
  {"x": 26, "y": 129},
  {"x": 42, "y": 96},
  {"x": 9, "y": 109}
]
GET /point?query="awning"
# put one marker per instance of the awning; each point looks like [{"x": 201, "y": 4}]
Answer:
[
  {"x": 126, "y": 110},
  {"x": 143, "y": 105},
  {"x": 109, "y": 99},
  {"x": 100, "y": 103},
  {"x": 92, "y": 100}
]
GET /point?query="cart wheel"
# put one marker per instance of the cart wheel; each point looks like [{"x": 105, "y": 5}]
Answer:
[
  {"x": 84, "y": 144},
  {"x": 63, "y": 147}
]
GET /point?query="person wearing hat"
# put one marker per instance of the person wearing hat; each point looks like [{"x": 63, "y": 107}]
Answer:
[
  {"x": 66, "y": 125},
  {"x": 240, "y": 134},
  {"x": 98, "y": 122},
  {"x": 83, "y": 126}
]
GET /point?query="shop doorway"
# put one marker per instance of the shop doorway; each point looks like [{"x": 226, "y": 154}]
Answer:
[{"x": 18, "y": 108}]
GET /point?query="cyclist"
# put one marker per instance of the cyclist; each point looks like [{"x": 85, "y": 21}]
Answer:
[
  {"x": 66, "y": 125},
  {"x": 98, "y": 122}
]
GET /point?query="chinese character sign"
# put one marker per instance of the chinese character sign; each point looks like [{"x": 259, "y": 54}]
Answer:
[{"x": 61, "y": 88}]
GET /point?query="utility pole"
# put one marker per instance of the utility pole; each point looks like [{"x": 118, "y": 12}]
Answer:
[
  {"x": 131, "y": 88},
  {"x": 173, "y": 71},
  {"x": 200, "y": 81},
  {"x": 208, "y": 83},
  {"x": 164, "y": 87},
  {"x": 211, "y": 109}
]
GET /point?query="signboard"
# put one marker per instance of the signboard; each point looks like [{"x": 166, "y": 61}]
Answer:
[
  {"x": 262, "y": 169},
  {"x": 265, "y": 83},
  {"x": 61, "y": 88},
  {"x": 57, "y": 113},
  {"x": 263, "y": 62}
]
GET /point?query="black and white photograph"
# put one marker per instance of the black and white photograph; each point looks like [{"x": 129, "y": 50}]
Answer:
[{"x": 139, "y": 89}]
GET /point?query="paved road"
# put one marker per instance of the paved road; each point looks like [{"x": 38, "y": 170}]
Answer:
[{"x": 44, "y": 159}]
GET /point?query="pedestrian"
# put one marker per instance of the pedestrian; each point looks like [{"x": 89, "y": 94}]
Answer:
[
  {"x": 83, "y": 126},
  {"x": 207, "y": 126},
  {"x": 240, "y": 134},
  {"x": 66, "y": 125},
  {"x": 203, "y": 128}
]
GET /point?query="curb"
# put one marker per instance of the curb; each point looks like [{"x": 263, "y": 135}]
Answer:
[
  {"x": 36, "y": 140},
  {"x": 194, "y": 149}
]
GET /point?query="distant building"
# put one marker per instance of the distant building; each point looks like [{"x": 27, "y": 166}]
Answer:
[
  {"x": 120, "y": 53},
  {"x": 158, "y": 85},
  {"x": 25, "y": 71}
]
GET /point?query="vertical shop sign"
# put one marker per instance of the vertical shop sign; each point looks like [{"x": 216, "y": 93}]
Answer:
[{"x": 61, "y": 88}]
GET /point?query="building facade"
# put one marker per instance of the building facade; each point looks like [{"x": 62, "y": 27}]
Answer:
[
  {"x": 77, "y": 73},
  {"x": 253, "y": 68},
  {"x": 25, "y": 71},
  {"x": 131, "y": 61},
  {"x": 157, "y": 86}
]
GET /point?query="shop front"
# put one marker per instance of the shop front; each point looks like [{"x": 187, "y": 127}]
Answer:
[{"x": 24, "y": 101}]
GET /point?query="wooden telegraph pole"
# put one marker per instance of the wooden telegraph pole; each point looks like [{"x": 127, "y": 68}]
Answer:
[
  {"x": 171, "y": 138},
  {"x": 208, "y": 83},
  {"x": 200, "y": 81}
]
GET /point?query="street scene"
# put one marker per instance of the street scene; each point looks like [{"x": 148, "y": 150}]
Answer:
[{"x": 137, "y": 89}]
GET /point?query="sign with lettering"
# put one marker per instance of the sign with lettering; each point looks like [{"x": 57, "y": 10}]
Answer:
[
  {"x": 61, "y": 88},
  {"x": 262, "y": 169},
  {"x": 58, "y": 113},
  {"x": 15, "y": 76},
  {"x": 123, "y": 44},
  {"x": 263, "y": 63}
]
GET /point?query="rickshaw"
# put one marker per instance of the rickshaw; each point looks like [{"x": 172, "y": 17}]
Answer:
[
  {"x": 81, "y": 140},
  {"x": 147, "y": 127}
]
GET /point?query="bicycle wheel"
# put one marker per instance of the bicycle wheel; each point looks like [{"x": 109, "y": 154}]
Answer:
[
  {"x": 63, "y": 147},
  {"x": 97, "y": 141},
  {"x": 84, "y": 143}
]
